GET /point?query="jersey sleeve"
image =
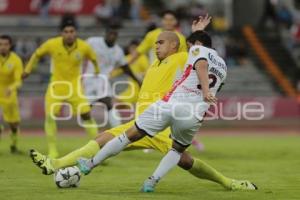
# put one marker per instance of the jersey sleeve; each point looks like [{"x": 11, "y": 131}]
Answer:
[
  {"x": 144, "y": 64},
  {"x": 197, "y": 53},
  {"x": 146, "y": 44},
  {"x": 121, "y": 58},
  {"x": 44, "y": 49},
  {"x": 182, "y": 46},
  {"x": 17, "y": 75},
  {"x": 91, "y": 55},
  {"x": 181, "y": 59}
]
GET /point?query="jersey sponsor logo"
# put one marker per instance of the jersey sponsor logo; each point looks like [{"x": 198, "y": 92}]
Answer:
[
  {"x": 217, "y": 72},
  {"x": 78, "y": 55},
  {"x": 10, "y": 65},
  {"x": 216, "y": 62}
]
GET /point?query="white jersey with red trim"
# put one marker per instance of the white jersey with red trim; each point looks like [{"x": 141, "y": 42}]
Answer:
[{"x": 187, "y": 89}]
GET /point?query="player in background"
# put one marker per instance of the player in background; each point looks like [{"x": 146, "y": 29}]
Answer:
[
  {"x": 169, "y": 22},
  {"x": 110, "y": 56},
  {"x": 138, "y": 67},
  {"x": 11, "y": 69},
  {"x": 67, "y": 53},
  {"x": 157, "y": 82},
  {"x": 183, "y": 108}
]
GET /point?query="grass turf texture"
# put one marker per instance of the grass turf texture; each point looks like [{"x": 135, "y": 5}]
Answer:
[{"x": 272, "y": 162}]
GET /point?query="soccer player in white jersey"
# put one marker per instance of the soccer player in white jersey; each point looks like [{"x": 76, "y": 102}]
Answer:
[
  {"x": 182, "y": 109},
  {"x": 110, "y": 56}
]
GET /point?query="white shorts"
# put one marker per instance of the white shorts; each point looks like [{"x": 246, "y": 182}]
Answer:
[
  {"x": 96, "y": 87},
  {"x": 161, "y": 115}
]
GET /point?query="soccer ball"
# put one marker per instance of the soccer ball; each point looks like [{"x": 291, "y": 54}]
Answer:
[{"x": 67, "y": 177}]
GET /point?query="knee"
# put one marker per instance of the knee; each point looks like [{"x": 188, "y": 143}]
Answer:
[
  {"x": 134, "y": 135},
  {"x": 186, "y": 161}
]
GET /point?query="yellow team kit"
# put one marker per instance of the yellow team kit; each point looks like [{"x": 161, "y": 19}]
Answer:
[
  {"x": 11, "y": 69},
  {"x": 65, "y": 84}
]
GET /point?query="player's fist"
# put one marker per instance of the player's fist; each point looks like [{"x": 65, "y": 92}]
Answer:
[
  {"x": 25, "y": 75},
  {"x": 210, "y": 98}
]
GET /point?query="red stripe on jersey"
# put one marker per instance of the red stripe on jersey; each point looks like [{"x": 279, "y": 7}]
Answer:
[{"x": 186, "y": 73}]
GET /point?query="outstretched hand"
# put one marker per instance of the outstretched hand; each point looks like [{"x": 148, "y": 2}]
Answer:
[{"x": 201, "y": 23}]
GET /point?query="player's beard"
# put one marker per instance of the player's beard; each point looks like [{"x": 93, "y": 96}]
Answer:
[{"x": 4, "y": 54}]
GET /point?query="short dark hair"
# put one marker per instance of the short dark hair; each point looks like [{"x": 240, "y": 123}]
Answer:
[
  {"x": 68, "y": 22},
  {"x": 169, "y": 12},
  {"x": 202, "y": 37},
  {"x": 111, "y": 29},
  {"x": 7, "y": 37}
]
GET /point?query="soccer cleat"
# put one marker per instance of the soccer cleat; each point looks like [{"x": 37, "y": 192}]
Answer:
[
  {"x": 42, "y": 161},
  {"x": 242, "y": 185},
  {"x": 149, "y": 185},
  {"x": 84, "y": 165}
]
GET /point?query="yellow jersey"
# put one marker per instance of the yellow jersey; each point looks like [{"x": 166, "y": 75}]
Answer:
[
  {"x": 159, "y": 79},
  {"x": 66, "y": 61},
  {"x": 11, "y": 69},
  {"x": 149, "y": 42}
]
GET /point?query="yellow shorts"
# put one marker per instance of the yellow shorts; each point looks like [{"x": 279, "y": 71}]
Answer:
[
  {"x": 70, "y": 96},
  {"x": 161, "y": 142},
  {"x": 10, "y": 109}
]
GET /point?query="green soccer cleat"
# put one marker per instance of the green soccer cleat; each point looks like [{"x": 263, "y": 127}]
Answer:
[
  {"x": 242, "y": 185},
  {"x": 149, "y": 185},
  {"x": 84, "y": 165},
  {"x": 42, "y": 161}
]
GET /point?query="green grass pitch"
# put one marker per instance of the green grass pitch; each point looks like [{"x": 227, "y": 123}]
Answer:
[{"x": 272, "y": 162}]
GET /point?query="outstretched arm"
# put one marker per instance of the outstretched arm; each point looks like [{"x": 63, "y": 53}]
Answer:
[
  {"x": 201, "y": 23},
  {"x": 40, "y": 52}
]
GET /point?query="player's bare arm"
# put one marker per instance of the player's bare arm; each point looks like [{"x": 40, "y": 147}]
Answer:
[
  {"x": 30, "y": 65},
  {"x": 201, "y": 23},
  {"x": 126, "y": 69},
  {"x": 202, "y": 72}
]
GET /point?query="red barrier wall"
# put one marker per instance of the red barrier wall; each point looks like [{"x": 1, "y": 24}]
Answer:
[{"x": 27, "y": 7}]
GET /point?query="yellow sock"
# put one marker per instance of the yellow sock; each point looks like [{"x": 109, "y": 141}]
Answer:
[
  {"x": 51, "y": 132},
  {"x": 91, "y": 128},
  {"x": 202, "y": 170},
  {"x": 87, "y": 151}
]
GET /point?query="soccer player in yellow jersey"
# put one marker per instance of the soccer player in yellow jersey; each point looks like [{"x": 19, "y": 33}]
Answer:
[
  {"x": 67, "y": 54},
  {"x": 158, "y": 80},
  {"x": 169, "y": 22},
  {"x": 11, "y": 68}
]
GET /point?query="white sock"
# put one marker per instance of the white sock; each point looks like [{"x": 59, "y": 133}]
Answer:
[
  {"x": 111, "y": 148},
  {"x": 114, "y": 117},
  {"x": 169, "y": 161}
]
